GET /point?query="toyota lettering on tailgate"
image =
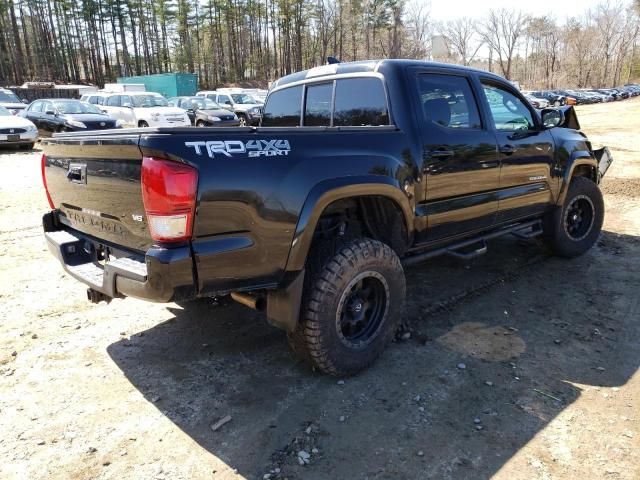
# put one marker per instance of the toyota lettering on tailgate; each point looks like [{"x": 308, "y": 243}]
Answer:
[{"x": 253, "y": 148}]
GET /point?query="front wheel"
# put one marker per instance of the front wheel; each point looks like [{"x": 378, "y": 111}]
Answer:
[
  {"x": 142, "y": 124},
  {"x": 572, "y": 229},
  {"x": 351, "y": 308},
  {"x": 201, "y": 123},
  {"x": 243, "y": 121}
]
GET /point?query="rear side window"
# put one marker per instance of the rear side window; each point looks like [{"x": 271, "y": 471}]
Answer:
[
  {"x": 36, "y": 107},
  {"x": 447, "y": 101},
  {"x": 317, "y": 111},
  {"x": 360, "y": 102},
  {"x": 283, "y": 108}
]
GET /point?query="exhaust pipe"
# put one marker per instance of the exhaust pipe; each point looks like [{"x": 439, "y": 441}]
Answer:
[
  {"x": 256, "y": 303},
  {"x": 95, "y": 296}
]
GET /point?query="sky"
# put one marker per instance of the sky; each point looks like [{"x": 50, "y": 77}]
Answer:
[{"x": 442, "y": 10}]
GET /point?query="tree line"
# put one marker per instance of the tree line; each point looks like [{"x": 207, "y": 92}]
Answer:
[{"x": 251, "y": 42}]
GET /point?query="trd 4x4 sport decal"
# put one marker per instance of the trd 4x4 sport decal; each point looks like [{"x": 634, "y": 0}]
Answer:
[{"x": 253, "y": 148}]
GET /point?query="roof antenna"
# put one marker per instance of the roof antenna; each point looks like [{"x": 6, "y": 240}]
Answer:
[{"x": 332, "y": 60}]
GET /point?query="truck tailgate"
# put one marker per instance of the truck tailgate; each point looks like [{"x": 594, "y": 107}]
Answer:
[{"x": 95, "y": 184}]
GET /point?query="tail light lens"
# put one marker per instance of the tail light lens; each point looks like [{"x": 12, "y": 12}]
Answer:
[
  {"x": 43, "y": 164},
  {"x": 169, "y": 195}
]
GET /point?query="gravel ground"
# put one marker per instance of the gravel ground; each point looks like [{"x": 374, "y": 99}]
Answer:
[{"x": 518, "y": 366}]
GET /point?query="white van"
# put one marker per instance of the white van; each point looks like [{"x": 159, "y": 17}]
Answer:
[{"x": 139, "y": 109}]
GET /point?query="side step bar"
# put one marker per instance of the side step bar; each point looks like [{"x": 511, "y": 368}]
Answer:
[{"x": 524, "y": 230}]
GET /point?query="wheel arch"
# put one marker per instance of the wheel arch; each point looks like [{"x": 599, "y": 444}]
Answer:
[
  {"x": 581, "y": 164},
  {"x": 328, "y": 192}
]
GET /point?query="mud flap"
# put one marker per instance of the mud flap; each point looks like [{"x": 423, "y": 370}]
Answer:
[{"x": 604, "y": 159}]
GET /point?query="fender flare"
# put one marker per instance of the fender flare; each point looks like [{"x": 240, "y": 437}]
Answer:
[
  {"x": 329, "y": 191},
  {"x": 578, "y": 158}
]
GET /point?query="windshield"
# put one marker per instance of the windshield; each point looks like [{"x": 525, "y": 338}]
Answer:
[
  {"x": 4, "y": 112},
  {"x": 149, "y": 101},
  {"x": 9, "y": 97},
  {"x": 242, "y": 98},
  {"x": 205, "y": 103},
  {"x": 75, "y": 106}
]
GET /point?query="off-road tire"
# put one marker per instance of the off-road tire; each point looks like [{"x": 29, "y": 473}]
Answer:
[
  {"x": 319, "y": 337},
  {"x": 558, "y": 238}
]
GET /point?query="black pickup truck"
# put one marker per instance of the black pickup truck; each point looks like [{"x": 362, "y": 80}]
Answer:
[{"x": 357, "y": 170}]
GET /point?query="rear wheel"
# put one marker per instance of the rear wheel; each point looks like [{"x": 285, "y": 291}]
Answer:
[
  {"x": 571, "y": 230},
  {"x": 201, "y": 123},
  {"x": 351, "y": 308},
  {"x": 142, "y": 124}
]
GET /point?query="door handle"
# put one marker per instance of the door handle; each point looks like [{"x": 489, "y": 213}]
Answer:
[
  {"x": 508, "y": 149},
  {"x": 441, "y": 153}
]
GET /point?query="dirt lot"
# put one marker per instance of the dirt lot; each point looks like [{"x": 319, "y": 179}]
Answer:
[{"x": 519, "y": 366}]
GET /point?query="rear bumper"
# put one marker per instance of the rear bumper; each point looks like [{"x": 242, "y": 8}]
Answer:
[{"x": 161, "y": 275}]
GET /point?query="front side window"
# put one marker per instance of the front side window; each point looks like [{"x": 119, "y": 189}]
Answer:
[
  {"x": 113, "y": 101},
  {"x": 508, "y": 111},
  {"x": 147, "y": 101},
  {"x": 447, "y": 101},
  {"x": 317, "y": 110},
  {"x": 360, "y": 102},
  {"x": 283, "y": 108}
]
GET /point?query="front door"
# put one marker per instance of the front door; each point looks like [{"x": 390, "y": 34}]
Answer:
[
  {"x": 460, "y": 165},
  {"x": 527, "y": 184}
]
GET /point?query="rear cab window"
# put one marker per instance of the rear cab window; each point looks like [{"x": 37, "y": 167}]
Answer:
[
  {"x": 447, "y": 101},
  {"x": 343, "y": 102}
]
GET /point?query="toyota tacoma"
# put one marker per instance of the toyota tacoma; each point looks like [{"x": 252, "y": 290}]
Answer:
[{"x": 357, "y": 171}]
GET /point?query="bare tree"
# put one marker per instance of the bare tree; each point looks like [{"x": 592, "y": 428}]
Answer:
[
  {"x": 462, "y": 36},
  {"x": 502, "y": 31}
]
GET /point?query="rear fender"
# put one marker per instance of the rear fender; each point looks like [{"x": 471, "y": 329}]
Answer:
[{"x": 329, "y": 191}]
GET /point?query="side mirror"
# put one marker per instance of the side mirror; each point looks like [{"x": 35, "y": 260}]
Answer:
[
  {"x": 228, "y": 102},
  {"x": 551, "y": 117},
  {"x": 25, "y": 101},
  {"x": 50, "y": 112},
  {"x": 127, "y": 105}
]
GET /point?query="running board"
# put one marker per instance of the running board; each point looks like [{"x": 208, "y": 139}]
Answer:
[
  {"x": 528, "y": 229},
  {"x": 529, "y": 232},
  {"x": 469, "y": 255}
]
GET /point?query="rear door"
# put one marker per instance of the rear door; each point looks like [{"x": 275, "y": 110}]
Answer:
[
  {"x": 527, "y": 184},
  {"x": 460, "y": 163},
  {"x": 34, "y": 113}
]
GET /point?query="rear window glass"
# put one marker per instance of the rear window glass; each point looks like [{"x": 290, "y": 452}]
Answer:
[
  {"x": 447, "y": 101},
  {"x": 317, "y": 111},
  {"x": 360, "y": 102},
  {"x": 283, "y": 108}
]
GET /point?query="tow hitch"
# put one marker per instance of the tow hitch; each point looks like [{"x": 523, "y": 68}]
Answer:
[{"x": 95, "y": 296}]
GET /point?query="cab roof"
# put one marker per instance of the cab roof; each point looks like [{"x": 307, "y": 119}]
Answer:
[{"x": 367, "y": 66}]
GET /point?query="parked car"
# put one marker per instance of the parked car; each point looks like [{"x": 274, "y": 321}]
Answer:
[
  {"x": 140, "y": 109},
  {"x": 52, "y": 115},
  {"x": 16, "y": 130},
  {"x": 554, "y": 99},
  {"x": 569, "y": 99},
  {"x": 315, "y": 226},
  {"x": 204, "y": 112},
  {"x": 242, "y": 104},
  {"x": 11, "y": 102},
  {"x": 536, "y": 102}
]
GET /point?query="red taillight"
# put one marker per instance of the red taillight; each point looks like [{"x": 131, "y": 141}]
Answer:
[
  {"x": 43, "y": 162},
  {"x": 169, "y": 196}
]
